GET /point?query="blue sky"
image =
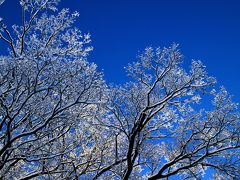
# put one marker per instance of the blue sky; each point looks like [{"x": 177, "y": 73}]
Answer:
[{"x": 208, "y": 30}]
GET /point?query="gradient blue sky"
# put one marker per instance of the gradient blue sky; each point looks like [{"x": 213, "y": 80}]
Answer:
[{"x": 208, "y": 30}]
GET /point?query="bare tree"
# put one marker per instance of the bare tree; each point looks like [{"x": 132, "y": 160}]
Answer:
[
  {"x": 59, "y": 120},
  {"x": 48, "y": 93},
  {"x": 159, "y": 132}
]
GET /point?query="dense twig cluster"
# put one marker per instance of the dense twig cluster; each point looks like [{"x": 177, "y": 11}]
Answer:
[{"x": 59, "y": 119}]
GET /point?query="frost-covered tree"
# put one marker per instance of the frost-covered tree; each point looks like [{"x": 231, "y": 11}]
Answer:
[
  {"x": 49, "y": 93},
  {"x": 58, "y": 119},
  {"x": 161, "y": 130}
]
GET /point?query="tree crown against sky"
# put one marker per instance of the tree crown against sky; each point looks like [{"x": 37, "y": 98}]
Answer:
[{"x": 60, "y": 119}]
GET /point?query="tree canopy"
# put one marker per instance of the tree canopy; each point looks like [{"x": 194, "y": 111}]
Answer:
[{"x": 59, "y": 119}]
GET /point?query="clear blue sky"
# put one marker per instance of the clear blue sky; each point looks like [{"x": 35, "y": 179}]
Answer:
[{"x": 205, "y": 29}]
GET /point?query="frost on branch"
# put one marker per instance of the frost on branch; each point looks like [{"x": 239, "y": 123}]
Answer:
[
  {"x": 49, "y": 96},
  {"x": 164, "y": 135},
  {"x": 59, "y": 120}
]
